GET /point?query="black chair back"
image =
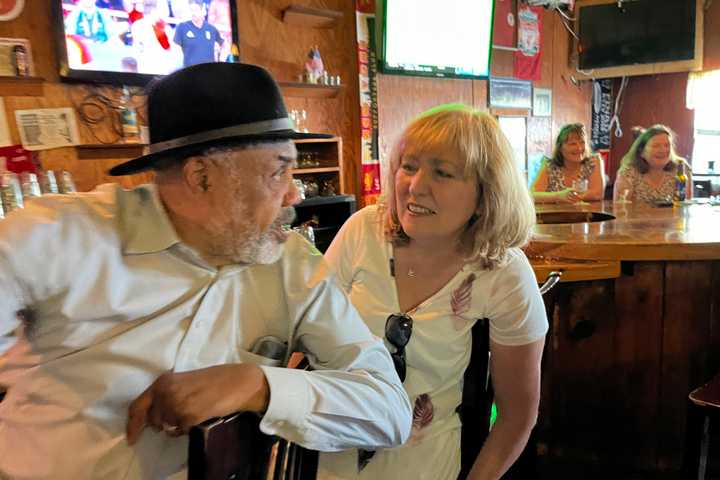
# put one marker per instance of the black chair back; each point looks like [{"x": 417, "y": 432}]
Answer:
[
  {"x": 477, "y": 398},
  {"x": 229, "y": 448}
]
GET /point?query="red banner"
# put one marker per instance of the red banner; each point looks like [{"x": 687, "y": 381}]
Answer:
[
  {"x": 504, "y": 23},
  {"x": 367, "y": 66},
  {"x": 365, "y": 6},
  {"x": 527, "y": 58}
]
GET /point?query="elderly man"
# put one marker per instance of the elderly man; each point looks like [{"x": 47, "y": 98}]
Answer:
[{"x": 155, "y": 306}]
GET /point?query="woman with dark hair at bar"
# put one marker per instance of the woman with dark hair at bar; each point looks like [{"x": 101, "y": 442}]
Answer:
[
  {"x": 648, "y": 169},
  {"x": 572, "y": 174},
  {"x": 440, "y": 252}
]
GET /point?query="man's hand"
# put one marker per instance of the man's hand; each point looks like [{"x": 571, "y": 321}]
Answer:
[{"x": 177, "y": 401}]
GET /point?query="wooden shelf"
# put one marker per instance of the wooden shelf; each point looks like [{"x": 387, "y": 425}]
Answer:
[
  {"x": 311, "y": 17},
  {"x": 94, "y": 151},
  {"x": 317, "y": 140},
  {"x": 315, "y": 170},
  {"x": 309, "y": 90},
  {"x": 21, "y": 86},
  {"x": 327, "y": 200}
]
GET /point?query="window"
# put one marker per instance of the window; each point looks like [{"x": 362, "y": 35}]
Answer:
[{"x": 703, "y": 96}]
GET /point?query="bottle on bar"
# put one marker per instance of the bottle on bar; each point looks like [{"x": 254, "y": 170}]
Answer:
[
  {"x": 680, "y": 183},
  {"x": 48, "y": 182},
  {"x": 10, "y": 192},
  {"x": 30, "y": 186},
  {"x": 67, "y": 185},
  {"x": 128, "y": 118}
]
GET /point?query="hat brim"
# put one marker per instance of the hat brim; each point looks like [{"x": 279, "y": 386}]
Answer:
[{"x": 146, "y": 162}]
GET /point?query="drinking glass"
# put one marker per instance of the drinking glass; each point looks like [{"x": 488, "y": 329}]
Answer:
[{"x": 580, "y": 186}]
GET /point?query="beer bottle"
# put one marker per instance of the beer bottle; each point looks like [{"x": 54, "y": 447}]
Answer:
[{"x": 680, "y": 183}]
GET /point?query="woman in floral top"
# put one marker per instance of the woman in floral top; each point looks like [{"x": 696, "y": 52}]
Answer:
[
  {"x": 571, "y": 161},
  {"x": 647, "y": 174},
  {"x": 443, "y": 249}
]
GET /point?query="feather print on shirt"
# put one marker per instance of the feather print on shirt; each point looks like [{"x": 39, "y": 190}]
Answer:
[
  {"x": 423, "y": 414},
  {"x": 461, "y": 299}
]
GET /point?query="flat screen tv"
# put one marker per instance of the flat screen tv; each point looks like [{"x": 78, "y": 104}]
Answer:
[
  {"x": 638, "y": 37},
  {"x": 451, "y": 38},
  {"x": 130, "y": 42}
]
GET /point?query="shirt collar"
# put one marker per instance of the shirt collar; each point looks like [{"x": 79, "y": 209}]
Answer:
[{"x": 144, "y": 224}]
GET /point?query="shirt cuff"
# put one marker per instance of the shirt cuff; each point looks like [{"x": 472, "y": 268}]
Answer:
[{"x": 289, "y": 405}]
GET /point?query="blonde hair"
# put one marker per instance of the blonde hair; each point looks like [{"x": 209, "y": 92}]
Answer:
[
  {"x": 505, "y": 211},
  {"x": 634, "y": 158}
]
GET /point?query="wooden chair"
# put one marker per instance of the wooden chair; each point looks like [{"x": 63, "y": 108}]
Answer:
[
  {"x": 703, "y": 414},
  {"x": 234, "y": 448}
]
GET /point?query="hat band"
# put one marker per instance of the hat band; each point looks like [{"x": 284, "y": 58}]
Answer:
[{"x": 246, "y": 129}]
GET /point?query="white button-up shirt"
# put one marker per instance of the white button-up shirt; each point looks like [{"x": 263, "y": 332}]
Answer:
[{"x": 117, "y": 300}]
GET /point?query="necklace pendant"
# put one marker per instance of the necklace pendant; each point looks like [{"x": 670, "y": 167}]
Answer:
[{"x": 410, "y": 272}]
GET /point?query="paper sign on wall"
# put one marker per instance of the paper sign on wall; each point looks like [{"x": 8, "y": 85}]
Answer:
[{"x": 46, "y": 128}]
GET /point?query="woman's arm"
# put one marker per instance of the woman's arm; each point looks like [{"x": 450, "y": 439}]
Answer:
[
  {"x": 515, "y": 374},
  {"x": 596, "y": 182},
  {"x": 540, "y": 186}
]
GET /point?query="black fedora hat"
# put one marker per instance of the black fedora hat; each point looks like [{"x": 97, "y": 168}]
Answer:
[{"x": 212, "y": 103}]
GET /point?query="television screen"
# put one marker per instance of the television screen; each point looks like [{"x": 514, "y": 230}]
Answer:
[
  {"x": 451, "y": 38},
  {"x": 131, "y": 41},
  {"x": 642, "y": 32}
]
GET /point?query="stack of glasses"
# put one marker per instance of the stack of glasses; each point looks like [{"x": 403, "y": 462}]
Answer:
[{"x": 15, "y": 191}]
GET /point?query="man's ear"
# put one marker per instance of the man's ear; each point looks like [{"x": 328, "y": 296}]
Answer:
[{"x": 196, "y": 172}]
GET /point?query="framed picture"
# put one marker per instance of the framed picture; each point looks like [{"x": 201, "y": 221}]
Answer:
[
  {"x": 16, "y": 58},
  {"x": 510, "y": 93},
  {"x": 542, "y": 102}
]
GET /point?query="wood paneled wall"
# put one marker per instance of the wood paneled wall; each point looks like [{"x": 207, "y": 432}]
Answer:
[
  {"x": 264, "y": 40},
  {"x": 267, "y": 41},
  {"x": 651, "y": 99},
  {"x": 402, "y": 98}
]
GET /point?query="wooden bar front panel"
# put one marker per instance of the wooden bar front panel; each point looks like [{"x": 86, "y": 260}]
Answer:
[{"x": 615, "y": 400}]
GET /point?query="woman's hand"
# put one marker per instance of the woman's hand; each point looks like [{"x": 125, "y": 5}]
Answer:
[{"x": 568, "y": 195}]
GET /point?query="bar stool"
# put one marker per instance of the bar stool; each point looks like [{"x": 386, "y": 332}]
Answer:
[{"x": 703, "y": 411}]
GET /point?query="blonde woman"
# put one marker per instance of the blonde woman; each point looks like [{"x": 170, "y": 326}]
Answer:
[
  {"x": 571, "y": 163},
  {"x": 441, "y": 251},
  {"x": 648, "y": 169}
]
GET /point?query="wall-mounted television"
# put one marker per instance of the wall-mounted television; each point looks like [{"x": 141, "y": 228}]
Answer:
[
  {"x": 638, "y": 37},
  {"x": 130, "y": 42},
  {"x": 451, "y": 38}
]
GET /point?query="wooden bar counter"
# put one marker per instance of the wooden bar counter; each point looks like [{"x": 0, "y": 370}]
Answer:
[{"x": 635, "y": 326}]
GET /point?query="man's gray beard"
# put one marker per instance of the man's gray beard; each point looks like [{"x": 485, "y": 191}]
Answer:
[{"x": 258, "y": 248}]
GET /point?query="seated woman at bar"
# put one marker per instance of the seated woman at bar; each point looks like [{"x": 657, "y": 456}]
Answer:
[
  {"x": 439, "y": 252},
  {"x": 648, "y": 169},
  {"x": 571, "y": 169}
]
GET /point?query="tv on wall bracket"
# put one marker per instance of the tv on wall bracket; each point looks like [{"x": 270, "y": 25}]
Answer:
[
  {"x": 130, "y": 42},
  {"x": 648, "y": 37},
  {"x": 427, "y": 38}
]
